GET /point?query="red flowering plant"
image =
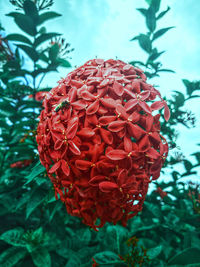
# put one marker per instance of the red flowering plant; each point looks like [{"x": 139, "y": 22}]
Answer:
[{"x": 100, "y": 142}]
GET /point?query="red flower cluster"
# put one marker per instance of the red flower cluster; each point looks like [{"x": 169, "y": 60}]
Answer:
[
  {"x": 99, "y": 141},
  {"x": 21, "y": 163}
]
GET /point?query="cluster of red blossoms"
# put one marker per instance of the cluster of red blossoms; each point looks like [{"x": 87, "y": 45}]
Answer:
[
  {"x": 21, "y": 163},
  {"x": 99, "y": 141}
]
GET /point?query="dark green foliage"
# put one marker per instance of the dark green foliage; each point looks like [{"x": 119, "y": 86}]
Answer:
[{"x": 35, "y": 228}]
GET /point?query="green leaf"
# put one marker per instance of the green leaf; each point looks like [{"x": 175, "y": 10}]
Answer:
[
  {"x": 155, "y": 4},
  {"x": 107, "y": 257},
  {"x": 179, "y": 98},
  {"x": 30, "y": 10},
  {"x": 161, "y": 32},
  {"x": 191, "y": 86},
  {"x": 155, "y": 55},
  {"x": 36, "y": 198},
  {"x": 47, "y": 16},
  {"x": 41, "y": 257},
  {"x": 197, "y": 156},
  {"x": 31, "y": 52},
  {"x": 44, "y": 37},
  {"x": 187, "y": 256},
  {"x": 162, "y": 13},
  {"x": 24, "y": 22},
  {"x": 154, "y": 252},
  {"x": 143, "y": 11},
  {"x": 53, "y": 52},
  {"x": 151, "y": 19},
  {"x": 153, "y": 209},
  {"x": 188, "y": 165},
  {"x": 74, "y": 260},
  {"x": 11, "y": 256},
  {"x": 13, "y": 237},
  {"x": 144, "y": 42},
  {"x": 18, "y": 38},
  {"x": 36, "y": 171},
  {"x": 63, "y": 63},
  {"x": 166, "y": 70}
]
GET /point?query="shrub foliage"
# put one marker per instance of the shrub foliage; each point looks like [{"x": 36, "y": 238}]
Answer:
[{"x": 35, "y": 229}]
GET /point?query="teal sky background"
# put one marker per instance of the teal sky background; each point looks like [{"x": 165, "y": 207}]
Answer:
[{"x": 103, "y": 29}]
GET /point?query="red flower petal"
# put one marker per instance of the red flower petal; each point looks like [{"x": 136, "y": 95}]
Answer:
[
  {"x": 157, "y": 105},
  {"x": 71, "y": 131},
  {"x": 152, "y": 153},
  {"x": 74, "y": 149},
  {"x": 144, "y": 144},
  {"x": 93, "y": 108},
  {"x": 145, "y": 107},
  {"x": 65, "y": 167},
  {"x": 166, "y": 113},
  {"x": 127, "y": 144},
  {"x": 116, "y": 126},
  {"x": 58, "y": 144},
  {"x": 107, "y": 186},
  {"x": 105, "y": 120},
  {"x": 108, "y": 102},
  {"x": 131, "y": 104},
  {"x": 55, "y": 167},
  {"x": 86, "y": 133},
  {"x": 83, "y": 164},
  {"x": 116, "y": 154},
  {"x": 79, "y": 105},
  {"x": 135, "y": 130},
  {"x": 87, "y": 96},
  {"x": 144, "y": 95},
  {"x": 106, "y": 136},
  {"x": 121, "y": 111},
  {"x": 118, "y": 88},
  {"x": 96, "y": 180}
]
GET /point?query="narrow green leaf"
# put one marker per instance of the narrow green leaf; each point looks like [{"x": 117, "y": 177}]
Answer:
[
  {"x": 47, "y": 16},
  {"x": 187, "y": 256},
  {"x": 162, "y": 13},
  {"x": 41, "y": 257},
  {"x": 11, "y": 256},
  {"x": 151, "y": 19},
  {"x": 161, "y": 32},
  {"x": 37, "y": 197},
  {"x": 31, "y": 52},
  {"x": 18, "y": 38},
  {"x": 166, "y": 70},
  {"x": 13, "y": 237},
  {"x": 36, "y": 170},
  {"x": 44, "y": 37}
]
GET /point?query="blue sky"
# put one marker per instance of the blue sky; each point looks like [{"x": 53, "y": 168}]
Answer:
[{"x": 103, "y": 28}]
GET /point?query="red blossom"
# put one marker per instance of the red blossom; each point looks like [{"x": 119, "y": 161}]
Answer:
[
  {"x": 100, "y": 142},
  {"x": 21, "y": 163}
]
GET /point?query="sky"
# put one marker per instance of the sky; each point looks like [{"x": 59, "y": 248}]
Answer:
[{"x": 103, "y": 29}]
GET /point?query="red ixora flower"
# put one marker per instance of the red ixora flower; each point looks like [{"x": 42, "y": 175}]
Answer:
[
  {"x": 21, "y": 163},
  {"x": 100, "y": 141}
]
